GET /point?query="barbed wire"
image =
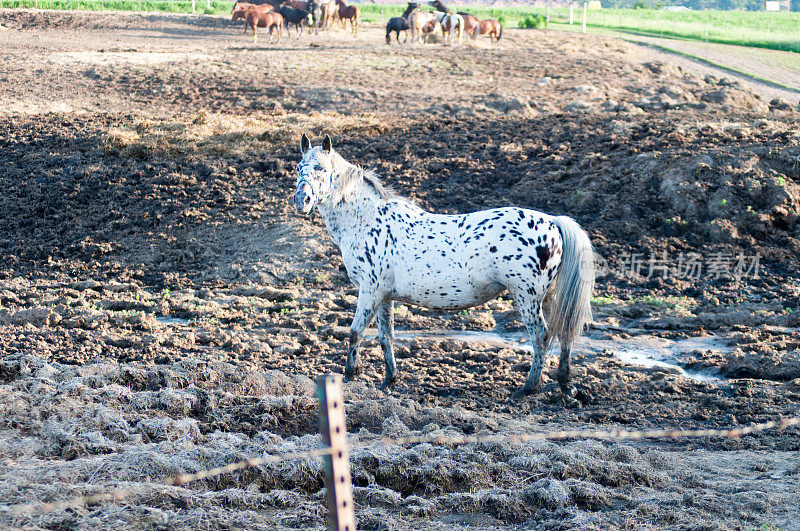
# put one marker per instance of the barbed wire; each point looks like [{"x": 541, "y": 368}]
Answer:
[
  {"x": 179, "y": 480},
  {"x": 183, "y": 479},
  {"x": 597, "y": 434}
]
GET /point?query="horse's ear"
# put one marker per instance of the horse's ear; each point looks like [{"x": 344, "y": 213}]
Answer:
[
  {"x": 327, "y": 144},
  {"x": 305, "y": 143}
]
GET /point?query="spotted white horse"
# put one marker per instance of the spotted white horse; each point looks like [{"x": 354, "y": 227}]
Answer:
[
  {"x": 451, "y": 23},
  {"x": 394, "y": 250}
]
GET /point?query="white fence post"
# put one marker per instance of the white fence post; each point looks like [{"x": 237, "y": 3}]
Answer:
[
  {"x": 585, "y": 8},
  {"x": 571, "y": 17}
]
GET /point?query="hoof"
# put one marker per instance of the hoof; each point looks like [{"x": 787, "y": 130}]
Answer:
[
  {"x": 584, "y": 396},
  {"x": 570, "y": 402},
  {"x": 547, "y": 388},
  {"x": 524, "y": 392},
  {"x": 569, "y": 391},
  {"x": 351, "y": 372},
  {"x": 388, "y": 383}
]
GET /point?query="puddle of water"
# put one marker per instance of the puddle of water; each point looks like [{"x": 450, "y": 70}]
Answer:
[
  {"x": 179, "y": 321},
  {"x": 652, "y": 351},
  {"x": 642, "y": 350}
]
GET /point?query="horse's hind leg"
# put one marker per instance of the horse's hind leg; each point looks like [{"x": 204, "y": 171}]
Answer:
[
  {"x": 531, "y": 312},
  {"x": 563, "y": 369},
  {"x": 386, "y": 339}
]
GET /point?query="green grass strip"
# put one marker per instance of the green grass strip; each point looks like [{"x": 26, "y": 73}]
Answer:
[{"x": 774, "y": 31}]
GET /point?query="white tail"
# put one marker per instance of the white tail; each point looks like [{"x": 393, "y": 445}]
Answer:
[{"x": 570, "y": 308}]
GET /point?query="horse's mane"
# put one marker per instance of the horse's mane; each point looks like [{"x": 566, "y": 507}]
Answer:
[
  {"x": 439, "y": 6},
  {"x": 410, "y": 8},
  {"x": 352, "y": 177}
]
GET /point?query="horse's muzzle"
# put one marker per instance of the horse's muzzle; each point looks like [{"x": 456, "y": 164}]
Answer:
[{"x": 302, "y": 201}]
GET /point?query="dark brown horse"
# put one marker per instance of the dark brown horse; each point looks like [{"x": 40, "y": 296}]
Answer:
[
  {"x": 398, "y": 24},
  {"x": 491, "y": 27},
  {"x": 270, "y": 20},
  {"x": 240, "y": 11},
  {"x": 346, "y": 13},
  {"x": 470, "y": 24}
]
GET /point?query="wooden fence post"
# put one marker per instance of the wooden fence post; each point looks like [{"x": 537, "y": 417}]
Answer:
[{"x": 337, "y": 465}]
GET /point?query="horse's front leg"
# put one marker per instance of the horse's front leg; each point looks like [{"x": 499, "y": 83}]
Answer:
[
  {"x": 368, "y": 302},
  {"x": 386, "y": 339}
]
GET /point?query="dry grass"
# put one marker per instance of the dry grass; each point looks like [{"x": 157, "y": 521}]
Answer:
[{"x": 225, "y": 134}]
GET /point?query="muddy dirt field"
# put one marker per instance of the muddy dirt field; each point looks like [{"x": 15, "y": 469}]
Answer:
[{"x": 164, "y": 310}]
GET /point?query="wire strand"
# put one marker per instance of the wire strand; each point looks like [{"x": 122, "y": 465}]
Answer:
[{"x": 183, "y": 479}]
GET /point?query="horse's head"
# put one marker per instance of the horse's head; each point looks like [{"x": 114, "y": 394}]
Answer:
[
  {"x": 314, "y": 175},
  {"x": 439, "y": 6}
]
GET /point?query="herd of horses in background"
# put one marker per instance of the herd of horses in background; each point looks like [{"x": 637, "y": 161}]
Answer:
[
  {"x": 452, "y": 25},
  {"x": 277, "y": 15}
]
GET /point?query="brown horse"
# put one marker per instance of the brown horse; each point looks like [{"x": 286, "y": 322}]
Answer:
[
  {"x": 240, "y": 11},
  {"x": 330, "y": 12},
  {"x": 429, "y": 31},
  {"x": 470, "y": 24},
  {"x": 491, "y": 27},
  {"x": 297, "y": 4},
  {"x": 346, "y": 13},
  {"x": 270, "y": 20},
  {"x": 419, "y": 20}
]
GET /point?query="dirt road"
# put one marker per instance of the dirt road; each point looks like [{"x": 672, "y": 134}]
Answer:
[
  {"x": 781, "y": 68},
  {"x": 164, "y": 309}
]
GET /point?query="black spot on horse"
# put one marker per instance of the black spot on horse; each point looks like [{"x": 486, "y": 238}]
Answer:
[
  {"x": 544, "y": 255},
  {"x": 492, "y": 249}
]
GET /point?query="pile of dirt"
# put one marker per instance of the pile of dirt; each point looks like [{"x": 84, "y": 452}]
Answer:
[{"x": 102, "y": 425}]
